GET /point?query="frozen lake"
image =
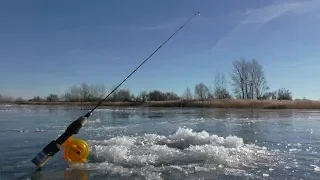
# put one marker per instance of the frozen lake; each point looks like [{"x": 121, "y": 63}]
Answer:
[{"x": 165, "y": 143}]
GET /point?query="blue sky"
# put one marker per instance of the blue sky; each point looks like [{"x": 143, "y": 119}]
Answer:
[{"x": 47, "y": 46}]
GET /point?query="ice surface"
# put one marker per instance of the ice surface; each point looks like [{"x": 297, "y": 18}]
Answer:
[{"x": 183, "y": 151}]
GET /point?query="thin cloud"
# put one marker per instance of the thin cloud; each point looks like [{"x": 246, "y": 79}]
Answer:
[
  {"x": 258, "y": 17},
  {"x": 270, "y": 12},
  {"x": 216, "y": 46}
]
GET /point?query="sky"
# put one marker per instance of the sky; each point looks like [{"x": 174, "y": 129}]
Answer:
[{"x": 48, "y": 46}]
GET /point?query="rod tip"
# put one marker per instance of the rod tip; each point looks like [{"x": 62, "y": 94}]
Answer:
[{"x": 198, "y": 13}]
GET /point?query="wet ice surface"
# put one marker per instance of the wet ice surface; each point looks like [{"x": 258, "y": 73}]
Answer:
[{"x": 165, "y": 143}]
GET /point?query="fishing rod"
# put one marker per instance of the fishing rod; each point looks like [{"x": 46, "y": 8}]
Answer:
[{"x": 64, "y": 140}]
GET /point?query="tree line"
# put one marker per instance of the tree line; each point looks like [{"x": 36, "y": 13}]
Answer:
[
  {"x": 247, "y": 80},
  {"x": 91, "y": 93}
]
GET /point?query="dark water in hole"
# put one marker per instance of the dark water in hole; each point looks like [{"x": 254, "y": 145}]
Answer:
[{"x": 165, "y": 143}]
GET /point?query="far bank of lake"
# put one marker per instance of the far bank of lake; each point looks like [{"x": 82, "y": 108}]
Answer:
[{"x": 215, "y": 103}]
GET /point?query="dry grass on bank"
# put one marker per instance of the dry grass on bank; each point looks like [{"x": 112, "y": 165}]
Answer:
[{"x": 226, "y": 103}]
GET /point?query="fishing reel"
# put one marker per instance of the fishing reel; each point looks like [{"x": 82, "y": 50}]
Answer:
[{"x": 75, "y": 150}]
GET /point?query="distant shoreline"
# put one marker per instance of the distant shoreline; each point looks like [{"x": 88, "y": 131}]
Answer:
[{"x": 224, "y": 103}]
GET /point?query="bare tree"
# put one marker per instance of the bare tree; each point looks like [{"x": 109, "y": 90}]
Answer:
[
  {"x": 72, "y": 94},
  {"x": 258, "y": 81},
  {"x": 172, "y": 96},
  {"x": 187, "y": 95},
  {"x": 248, "y": 79},
  {"x": 84, "y": 92},
  {"x": 36, "y": 99},
  {"x": 220, "y": 80},
  {"x": 52, "y": 98},
  {"x": 222, "y": 94},
  {"x": 143, "y": 96},
  {"x": 239, "y": 77},
  {"x": 220, "y": 91},
  {"x": 114, "y": 95},
  {"x": 201, "y": 91},
  {"x": 284, "y": 94},
  {"x": 97, "y": 92},
  {"x": 157, "y": 95},
  {"x": 124, "y": 95}
]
